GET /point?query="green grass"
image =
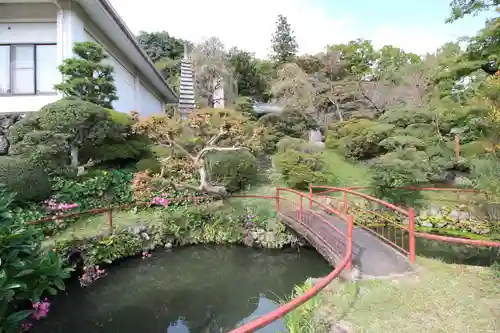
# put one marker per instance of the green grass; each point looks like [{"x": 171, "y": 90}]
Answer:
[
  {"x": 92, "y": 225},
  {"x": 346, "y": 174},
  {"x": 442, "y": 298}
]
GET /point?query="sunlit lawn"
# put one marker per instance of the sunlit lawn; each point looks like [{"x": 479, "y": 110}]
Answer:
[{"x": 442, "y": 298}]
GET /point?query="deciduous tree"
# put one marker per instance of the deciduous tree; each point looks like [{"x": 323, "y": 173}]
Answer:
[{"x": 194, "y": 139}]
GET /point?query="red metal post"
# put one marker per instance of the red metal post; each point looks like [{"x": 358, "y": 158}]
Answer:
[
  {"x": 277, "y": 198},
  {"x": 300, "y": 209},
  {"x": 109, "y": 217},
  {"x": 411, "y": 235},
  {"x": 350, "y": 224},
  {"x": 346, "y": 204},
  {"x": 310, "y": 196}
]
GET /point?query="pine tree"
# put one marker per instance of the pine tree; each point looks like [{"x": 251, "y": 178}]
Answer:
[
  {"x": 86, "y": 77},
  {"x": 283, "y": 41}
]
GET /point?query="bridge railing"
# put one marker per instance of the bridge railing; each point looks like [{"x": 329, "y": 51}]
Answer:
[
  {"x": 304, "y": 215},
  {"x": 331, "y": 240},
  {"x": 393, "y": 224}
]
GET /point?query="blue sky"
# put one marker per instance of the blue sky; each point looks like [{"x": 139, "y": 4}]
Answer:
[{"x": 415, "y": 25}]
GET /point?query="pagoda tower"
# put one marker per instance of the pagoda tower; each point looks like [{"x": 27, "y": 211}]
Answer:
[{"x": 186, "y": 88}]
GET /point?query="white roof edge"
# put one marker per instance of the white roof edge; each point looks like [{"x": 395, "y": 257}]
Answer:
[{"x": 167, "y": 94}]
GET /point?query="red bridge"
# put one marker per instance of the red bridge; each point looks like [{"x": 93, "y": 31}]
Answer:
[{"x": 337, "y": 229}]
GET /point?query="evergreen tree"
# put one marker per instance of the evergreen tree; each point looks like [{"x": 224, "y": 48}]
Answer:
[
  {"x": 86, "y": 77},
  {"x": 283, "y": 42}
]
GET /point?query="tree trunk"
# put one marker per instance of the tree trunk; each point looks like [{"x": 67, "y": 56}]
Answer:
[{"x": 74, "y": 156}]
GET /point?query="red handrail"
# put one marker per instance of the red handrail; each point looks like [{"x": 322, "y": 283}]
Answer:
[
  {"x": 268, "y": 318},
  {"x": 456, "y": 240}
]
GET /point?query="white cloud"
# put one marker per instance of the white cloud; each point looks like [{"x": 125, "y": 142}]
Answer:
[{"x": 249, "y": 25}]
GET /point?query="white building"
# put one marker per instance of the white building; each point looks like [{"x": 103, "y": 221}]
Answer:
[{"x": 35, "y": 37}]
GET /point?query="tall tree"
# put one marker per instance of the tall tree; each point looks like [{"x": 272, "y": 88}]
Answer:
[
  {"x": 160, "y": 44},
  {"x": 250, "y": 80},
  {"x": 284, "y": 45},
  {"x": 213, "y": 71},
  {"x": 359, "y": 54},
  {"x": 462, "y": 8}
]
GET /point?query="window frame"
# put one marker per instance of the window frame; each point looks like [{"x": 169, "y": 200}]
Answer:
[{"x": 12, "y": 47}]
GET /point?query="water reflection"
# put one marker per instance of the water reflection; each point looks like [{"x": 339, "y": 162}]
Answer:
[{"x": 190, "y": 290}]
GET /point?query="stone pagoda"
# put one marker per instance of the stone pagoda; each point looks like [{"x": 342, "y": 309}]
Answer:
[{"x": 186, "y": 88}]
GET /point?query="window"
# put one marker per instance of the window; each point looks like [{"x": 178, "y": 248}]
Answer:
[{"x": 28, "y": 69}]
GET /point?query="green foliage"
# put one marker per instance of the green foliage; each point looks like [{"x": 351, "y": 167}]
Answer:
[
  {"x": 301, "y": 320},
  {"x": 96, "y": 189},
  {"x": 283, "y": 42},
  {"x": 179, "y": 225},
  {"x": 398, "y": 169},
  {"x": 159, "y": 45},
  {"x": 359, "y": 55},
  {"x": 299, "y": 164},
  {"x": 403, "y": 117},
  {"x": 150, "y": 164},
  {"x": 366, "y": 145},
  {"x": 251, "y": 81},
  {"x": 26, "y": 272},
  {"x": 401, "y": 142},
  {"x": 485, "y": 173},
  {"x": 235, "y": 170},
  {"x": 61, "y": 129},
  {"x": 27, "y": 180},
  {"x": 245, "y": 106},
  {"x": 86, "y": 77}
]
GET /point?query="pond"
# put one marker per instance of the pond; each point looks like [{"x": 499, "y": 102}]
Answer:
[{"x": 194, "y": 289}]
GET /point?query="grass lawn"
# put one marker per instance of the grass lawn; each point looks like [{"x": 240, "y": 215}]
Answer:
[
  {"x": 92, "y": 225},
  {"x": 443, "y": 298}
]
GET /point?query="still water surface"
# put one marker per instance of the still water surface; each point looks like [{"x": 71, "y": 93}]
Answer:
[{"x": 198, "y": 289}]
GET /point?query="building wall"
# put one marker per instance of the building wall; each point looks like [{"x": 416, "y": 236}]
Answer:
[
  {"x": 34, "y": 23},
  {"x": 132, "y": 91},
  {"x": 63, "y": 26}
]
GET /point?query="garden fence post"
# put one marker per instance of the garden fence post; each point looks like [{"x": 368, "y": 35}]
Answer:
[
  {"x": 300, "y": 209},
  {"x": 346, "y": 204},
  {"x": 277, "y": 198},
  {"x": 350, "y": 223},
  {"x": 411, "y": 235},
  {"x": 310, "y": 196},
  {"x": 109, "y": 216}
]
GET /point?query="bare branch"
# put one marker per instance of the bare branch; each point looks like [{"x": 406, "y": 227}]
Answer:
[{"x": 180, "y": 147}]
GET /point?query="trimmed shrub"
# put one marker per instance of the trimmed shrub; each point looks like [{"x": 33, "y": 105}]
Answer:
[
  {"x": 150, "y": 164},
  {"x": 29, "y": 181},
  {"x": 235, "y": 169},
  {"x": 299, "y": 163}
]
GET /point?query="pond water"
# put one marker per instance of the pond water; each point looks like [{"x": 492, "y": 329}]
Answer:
[{"x": 203, "y": 289}]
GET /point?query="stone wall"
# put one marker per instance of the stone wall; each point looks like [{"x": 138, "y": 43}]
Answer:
[{"x": 6, "y": 122}]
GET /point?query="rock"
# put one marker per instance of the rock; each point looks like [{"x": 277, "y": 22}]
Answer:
[
  {"x": 6, "y": 122},
  {"x": 4, "y": 145},
  {"x": 168, "y": 245},
  {"x": 461, "y": 181}
]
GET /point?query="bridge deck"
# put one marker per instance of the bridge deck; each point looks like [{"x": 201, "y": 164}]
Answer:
[{"x": 373, "y": 256}]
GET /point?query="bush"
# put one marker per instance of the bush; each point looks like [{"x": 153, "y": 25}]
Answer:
[
  {"x": 26, "y": 272},
  {"x": 96, "y": 189},
  {"x": 235, "y": 169},
  {"x": 366, "y": 144},
  {"x": 150, "y": 164},
  {"x": 28, "y": 181},
  {"x": 399, "y": 169},
  {"x": 299, "y": 164}
]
